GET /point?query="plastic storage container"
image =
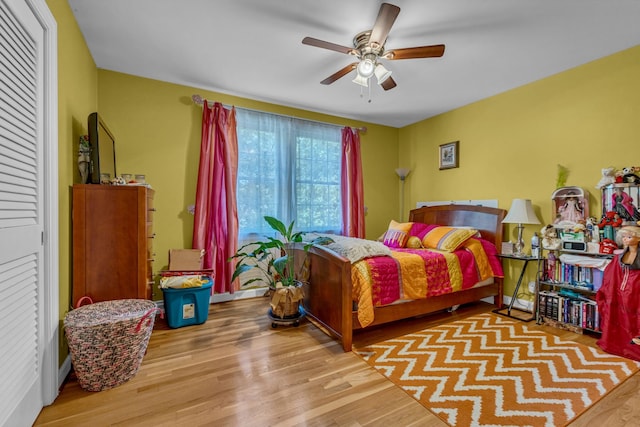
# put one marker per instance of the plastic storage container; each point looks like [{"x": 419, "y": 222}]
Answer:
[{"x": 187, "y": 306}]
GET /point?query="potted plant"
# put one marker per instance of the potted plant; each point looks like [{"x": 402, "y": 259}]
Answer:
[{"x": 276, "y": 265}]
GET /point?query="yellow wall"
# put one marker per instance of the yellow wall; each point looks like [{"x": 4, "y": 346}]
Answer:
[
  {"x": 510, "y": 145},
  {"x": 77, "y": 97},
  {"x": 157, "y": 131}
]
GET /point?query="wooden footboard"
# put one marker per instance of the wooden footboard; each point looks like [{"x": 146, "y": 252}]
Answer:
[{"x": 328, "y": 291}]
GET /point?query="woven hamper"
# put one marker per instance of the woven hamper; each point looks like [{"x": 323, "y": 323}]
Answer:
[{"x": 107, "y": 340}]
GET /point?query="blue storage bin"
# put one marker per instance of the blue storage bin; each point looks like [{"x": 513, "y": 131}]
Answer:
[{"x": 187, "y": 306}]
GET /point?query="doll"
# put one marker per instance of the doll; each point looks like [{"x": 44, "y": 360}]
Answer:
[
  {"x": 619, "y": 299},
  {"x": 571, "y": 210},
  {"x": 623, "y": 205}
]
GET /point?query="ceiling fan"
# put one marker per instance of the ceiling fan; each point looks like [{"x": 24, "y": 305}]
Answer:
[{"x": 368, "y": 47}]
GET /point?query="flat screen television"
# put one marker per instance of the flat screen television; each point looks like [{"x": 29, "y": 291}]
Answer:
[{"x": 103, "y": 149}]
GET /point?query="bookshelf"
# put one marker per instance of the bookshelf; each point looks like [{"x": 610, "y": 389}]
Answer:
[{"x": 567, "y": 286}]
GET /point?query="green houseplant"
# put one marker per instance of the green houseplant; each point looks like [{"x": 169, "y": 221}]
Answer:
[{"x": 275, "y": 263}]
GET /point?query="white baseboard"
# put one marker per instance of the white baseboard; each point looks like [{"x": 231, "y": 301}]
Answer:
[
  {"x": 64, "y": 370},
  {"x": 249, "y": 293},
  {"x": 520, "y": 304}
]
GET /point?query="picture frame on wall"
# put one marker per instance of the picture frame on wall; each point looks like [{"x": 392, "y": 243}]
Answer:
[{"x": 449, "y": 155}]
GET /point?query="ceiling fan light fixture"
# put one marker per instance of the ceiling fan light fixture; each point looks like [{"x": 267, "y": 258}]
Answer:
[
  {"x": 369, "y": 48},
  {"x": 366, "y": 68},
  {"x": 382, "y": 73},
  {"x": 362, "y": 81}
]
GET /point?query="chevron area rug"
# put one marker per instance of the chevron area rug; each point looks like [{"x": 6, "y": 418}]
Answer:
[{"x": 489, "y": 370}]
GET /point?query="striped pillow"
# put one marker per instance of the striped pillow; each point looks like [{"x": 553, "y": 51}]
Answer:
[
  {"x": 447, "y": 238},
  {"x": 397, "y": 234}
]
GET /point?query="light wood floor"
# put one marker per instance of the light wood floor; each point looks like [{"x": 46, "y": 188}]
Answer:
[{"x": 235, "y": 370}]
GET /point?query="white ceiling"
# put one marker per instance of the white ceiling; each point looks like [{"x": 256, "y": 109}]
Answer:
[{"x": 253, "y": 49}]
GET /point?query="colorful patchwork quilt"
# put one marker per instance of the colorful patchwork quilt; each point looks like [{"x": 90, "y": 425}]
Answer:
[{"x": 410, "y": 274}]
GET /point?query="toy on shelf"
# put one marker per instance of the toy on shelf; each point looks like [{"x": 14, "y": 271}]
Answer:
[
  {"x": 610, "y": 218},
  {"x": 621, "y": 199},
  {"x": 629, "y": 175},
  {"x": 570, "y": 206},
  {"x": 550, "y": 239},
  {"x": 608, "y": 177}
]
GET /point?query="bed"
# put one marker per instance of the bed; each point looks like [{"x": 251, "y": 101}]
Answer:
[{"x": 328, "y": 288}]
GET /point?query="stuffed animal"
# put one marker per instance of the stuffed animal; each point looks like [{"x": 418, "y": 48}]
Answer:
[
  {"x": 550, "y": 239},
  {"x": 619, "y": 176},
  {"x": 608, "y": 177},
  {"x": 629, "y": 175},
  {"x": 610, "y": 218}
]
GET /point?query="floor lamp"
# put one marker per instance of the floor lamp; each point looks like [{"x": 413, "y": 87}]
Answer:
[
  {"x": 521, "y": 212},
  {"x": 402, "y": 173}
]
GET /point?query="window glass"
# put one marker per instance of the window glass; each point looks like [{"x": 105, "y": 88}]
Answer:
[{"x": 287, "y": 168}]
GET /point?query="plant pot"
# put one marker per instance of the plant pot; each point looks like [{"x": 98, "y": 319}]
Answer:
[{"x": 285, "y": 301}]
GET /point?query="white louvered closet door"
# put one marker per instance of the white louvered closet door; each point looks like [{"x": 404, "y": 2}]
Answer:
[{"x": 22, "y": 126}]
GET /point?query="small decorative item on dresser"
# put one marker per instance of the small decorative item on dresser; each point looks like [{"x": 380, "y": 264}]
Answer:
[
  {"x": 84, "y": 159},
  {"x": 140, "y": 179}
]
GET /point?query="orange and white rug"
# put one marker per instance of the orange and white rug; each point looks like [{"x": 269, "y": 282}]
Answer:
[{"x": 489, "y": 370}]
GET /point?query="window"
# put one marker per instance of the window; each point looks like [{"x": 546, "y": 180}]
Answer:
[{"x": 287, "y": 168}]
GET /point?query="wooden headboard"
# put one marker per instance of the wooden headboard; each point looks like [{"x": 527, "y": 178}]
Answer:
[{"x": 486, "y": 220}]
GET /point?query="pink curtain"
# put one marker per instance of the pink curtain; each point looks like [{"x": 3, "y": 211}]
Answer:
[
  {"x": 215, "y": 227},
  {"x": 352, "y": 188}
]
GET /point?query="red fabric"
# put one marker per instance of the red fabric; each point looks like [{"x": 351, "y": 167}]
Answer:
[
  {"x": 386, "y": 277},
  {"x": 420, "y": 230},
  {"x": 351, "y": 183},
  {"x": 215, "y": 227},
  {"x": 619, "y": 306},
  {"x": 492, "y": 255},
  {"x": 385, "y": 272}
]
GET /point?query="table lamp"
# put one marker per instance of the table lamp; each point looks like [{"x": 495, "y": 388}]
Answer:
[{"x": 521, "y": 212}]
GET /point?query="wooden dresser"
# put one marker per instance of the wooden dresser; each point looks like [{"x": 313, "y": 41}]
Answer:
[{"x": 112, "y": 242}]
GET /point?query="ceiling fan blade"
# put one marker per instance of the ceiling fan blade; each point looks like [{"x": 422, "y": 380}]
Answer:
[
  {"x": 416, "y": 52},
  {"x": 389, "y": 83},
  {"x": 386, "y": 17},
  {"x": 327, "y": 45},
  {"x": 341, "y": 73}
]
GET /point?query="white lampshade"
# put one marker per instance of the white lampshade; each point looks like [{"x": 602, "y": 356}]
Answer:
[
  {"x": 366, "y": 67},
  {"x": 403, "y": 172},
  {"x": 521, "y": 212},
  {"x": 362, "y": 81},
  {"x": 382, "y": 73}
]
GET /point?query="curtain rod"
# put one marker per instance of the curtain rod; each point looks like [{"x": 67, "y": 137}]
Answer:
[{"x": 200, "y": 101}]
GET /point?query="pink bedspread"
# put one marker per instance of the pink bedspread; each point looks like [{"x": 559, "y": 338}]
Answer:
[{"x": 420, "y": 273}]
